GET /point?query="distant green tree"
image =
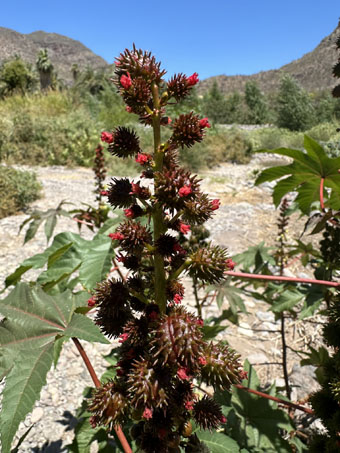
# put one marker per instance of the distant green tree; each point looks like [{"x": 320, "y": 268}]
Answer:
[
  {"x": 16, "y": 76},
  {"x": 75, "y": 71},
  {"x": 256, "y": 103},
  {"x": 215, "y": 106},
  {"x": 235, "y": 111},
  {"x": 324, "y": 107},
  {"x": 45, "y": 69},
  {"x": 294, "y": 107}
]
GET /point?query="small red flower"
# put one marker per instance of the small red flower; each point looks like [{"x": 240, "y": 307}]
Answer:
[
  {"x": 91, "y": 302},
  {"x": 215, "y": 204},
  {"x": 223, "y": 419},
  {"x": 182, "y": 374},
  {"x": 128, "y": 109},
  {"x": 143, "y": 158},
  {"x": 147, "y": 414},
  {"x": 185, "y": 190},
  {"x": 106, "y": 137},
  {"x": 202, "y": 361},
  {"x": 123, "y": 337},
  {"x": 126, "y": 81},
  {"x": 136, "y": 189},
  {"x": 121, "y": 258},
  {"x": 200, "y": 322},
  {"x": 230, "y": 264},
  {"x": 244, "y": 374},
  {"x": 104, "y": 193},
  {"x": 129, "y": 213},
  {"x": 169, "y": 120},
  {"x": 178, "y": 298},
  {"x": 204, "y": 123},
  {"x": 116, "y": 236},
  {"x": 189, "y": 405},
  {"x": 184, "y": 228},
  {"x": 178, "y": 248},
  {"x": 193, "y": 79}
]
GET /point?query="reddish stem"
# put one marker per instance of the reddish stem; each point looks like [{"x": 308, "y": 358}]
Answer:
[
  {"x": 322, "y": 205},
  {"x": 82, "y": 221},
  {"x": 96, "y": 381},
  {"x": 277, "y": 400},
  {"x": 283, "y": 279}
]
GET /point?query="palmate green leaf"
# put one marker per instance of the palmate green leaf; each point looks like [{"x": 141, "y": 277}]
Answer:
[
  {"x": 304, "y": 175},
  {"x": 218, "y": 442},
  {"x": 287, "y": 300},
  {"x": 68, "y": 253},
  {"x": 254, "y": 422},
  {"x": 33, "y": 321},
  {"x": 255, "y": 258}
]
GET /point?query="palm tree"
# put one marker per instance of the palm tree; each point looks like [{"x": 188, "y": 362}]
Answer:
[{"x": 45, "y": 69}]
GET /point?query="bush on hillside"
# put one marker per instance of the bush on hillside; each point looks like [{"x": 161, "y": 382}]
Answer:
[{"x": 18, "y": 189}]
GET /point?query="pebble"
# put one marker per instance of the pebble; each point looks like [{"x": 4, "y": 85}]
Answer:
[
  {"x": 258, "y": 357},
  {"x": 245, "y": 329},
  {"x": 37, "y": 414}
]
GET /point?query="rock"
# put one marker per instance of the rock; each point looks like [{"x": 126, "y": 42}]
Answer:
[
  {"x": 258, "y": 357},
  {"x": 265, "y": 316},
  {"x": 37, "y": 414},
  {"x": 303, "y": 381},
  {"x": 245, "y": 329}
]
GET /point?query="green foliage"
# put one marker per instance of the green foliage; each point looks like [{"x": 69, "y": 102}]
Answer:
[
  {"x": 256, "y": 103},
  {"x": 18, "y": 189},
  {"x": 16, "y": 77},
  {"x": 68, "y": 253},
  {"x": 33, "y": 320},
  {"x": 256, "y": 423},
  {"x": 294, "y": 107},
  {"x": 45, "y": 69},
  {"x": 304, "y": 176}
]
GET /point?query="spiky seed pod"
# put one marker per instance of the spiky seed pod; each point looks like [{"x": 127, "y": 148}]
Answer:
[
  {"x": 136, "y": 331},
  {"x": 125, "y": 143},
  {"x": 134, "y": 211},
  {"x": 131, "y": 262},
  {"x": 174, "y": 287},
  {"x": 139, "y": 63},
  {"x": 171, "y": 159},
  {"x": 119, "y": 193},
  {"x": 114, "y": 310},
  {"x": 108, "y": 405},
  {"x": 135, "y": 283},
  {"x": 177, "y": 339},
  {"x": 207, "y": 413},
  {"x": 186, "y": 130},
  {"x": 135, "y": 236},
  {"x": 222, "y": 368},
  {"x": 148, "y": 174},
  {"x": 165, "y": 244},
  {"x": 198, "y": 210},
  {"x": 138, "y": 95},
  {"x": 144, "y": 387},
  {"x": 178, "y": 87},
  {"x": 169, "y": 184},
  {"x": 208, "y": 264}
]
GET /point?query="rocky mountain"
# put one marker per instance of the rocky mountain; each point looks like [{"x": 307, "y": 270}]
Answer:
[
  {"x": 313, "y": 71},
  {"x": 63, "y": 51}
]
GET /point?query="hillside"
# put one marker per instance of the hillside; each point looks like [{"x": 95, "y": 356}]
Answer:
[
  {"x": 63, "y": 51},
  {"x": 313, "y": 71}
]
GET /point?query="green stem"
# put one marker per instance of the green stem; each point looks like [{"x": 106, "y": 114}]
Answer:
[
  {"x": 157, "y": 215},
  {"x": 181, "y": 269}
]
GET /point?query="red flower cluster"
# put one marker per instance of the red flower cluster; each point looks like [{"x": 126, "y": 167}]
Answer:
[
  {"x": 185, "y": 190},
  {"x": 230, "y": 264},
  {"x": 106, "y": 137},
  {"x": 182, "y": 374},
  {"x": 143, "y": 158},
  {"x": 183, "y": 228},
  {"x": 178, "y": 298},
  {"x": 126, "y": 81},
  {"x": 116, "y": 236},
  {"x": 91, "y": 302},
  {"x": 204, "y": 123},
  {"x": 193, "y": 79},
  {"x": 215, "y": 204}
]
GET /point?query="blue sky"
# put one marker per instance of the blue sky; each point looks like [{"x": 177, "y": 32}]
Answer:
[{"x": 211, "y": 37}]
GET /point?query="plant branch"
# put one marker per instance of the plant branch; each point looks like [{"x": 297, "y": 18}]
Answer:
[
  {"x": 274, "y": 398},
  {"x": 96, "y": 381},
  {"x": 322, "y": 204},
  {"x": 283, "y": 279}
]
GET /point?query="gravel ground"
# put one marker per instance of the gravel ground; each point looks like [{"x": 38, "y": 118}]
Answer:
[{"x": 246, "y": 217}]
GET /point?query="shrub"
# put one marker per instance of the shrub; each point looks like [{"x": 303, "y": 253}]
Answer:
[{"x": 18, "y": 189}]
